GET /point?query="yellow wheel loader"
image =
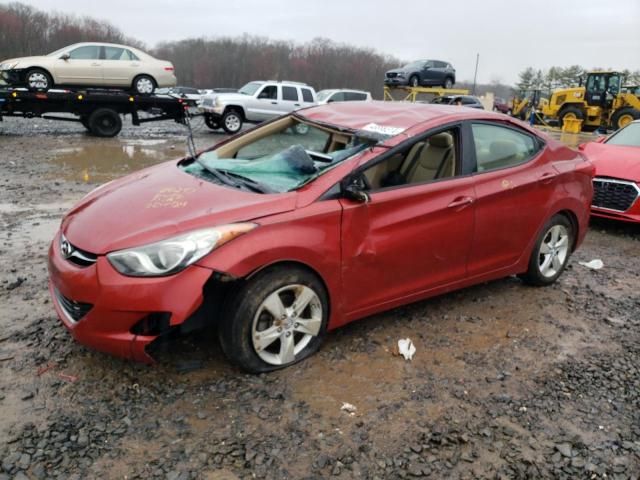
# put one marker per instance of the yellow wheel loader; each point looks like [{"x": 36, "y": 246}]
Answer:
[{"x": 599, "y": 103}]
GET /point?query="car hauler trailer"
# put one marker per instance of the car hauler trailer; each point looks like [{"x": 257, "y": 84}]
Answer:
[{"x": 99, "y": 111}]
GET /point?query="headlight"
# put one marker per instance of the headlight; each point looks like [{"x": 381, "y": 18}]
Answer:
[
  {"x": 7, "y": 66},
  {"x": 217, "y": 102},
  {"x": 174, "y": 254}
]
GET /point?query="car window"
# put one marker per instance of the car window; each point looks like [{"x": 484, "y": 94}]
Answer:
[
  {"x": 270, "y": 92},
  {"x": 290, "y": 93},
  {"x": 469, "y": 101},
  {"x": 429, "y": 64},
  {"x": 439, "y": 64},
  {"x": 427, "y": 160},
  {"x": 307, "y": 96},
  {"x": 499, "y": 147},
  {"x": 337, "y": 97},
  {"x": 355, "y": 96},
  {"x": 115, "y": 53},
  {"x": 131, "y": 55},
  {"x": 88, "y": 52}
]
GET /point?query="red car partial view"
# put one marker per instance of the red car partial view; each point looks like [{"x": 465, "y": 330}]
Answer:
[
  {"x": 617, "y": 182},
  {"x": 313, "y": 220}
]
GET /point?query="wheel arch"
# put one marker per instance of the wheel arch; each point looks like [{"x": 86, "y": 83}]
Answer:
[
  {"x": 49, "y": 72},
  {"x": 237, "y": 108},
  {"x": 573, "y": 219},
  {"x": 143, "y": 74}
]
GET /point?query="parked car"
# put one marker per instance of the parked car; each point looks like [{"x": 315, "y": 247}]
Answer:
[
  {"x": 422, "y": 73},
  {"x": 190, "y": 94},
  {"x": 464, "y": 100},
  {"x": 341, "y": 95},
  {"x": 91, "y": 65},
  {"x": 501, "y": 105},
  {"x": 254, "y": 103},
  {"x": 617, "y": 181},
  {"x": 280, "y": 236}
]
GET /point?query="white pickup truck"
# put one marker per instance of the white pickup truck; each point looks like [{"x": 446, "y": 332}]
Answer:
[{"x": 254, "y": 103}]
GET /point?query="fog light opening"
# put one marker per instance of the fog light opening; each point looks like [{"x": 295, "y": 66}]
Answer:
[{"x": 152, "y": 325}]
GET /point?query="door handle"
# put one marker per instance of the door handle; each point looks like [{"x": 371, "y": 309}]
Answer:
[
  {"x": 548, "y": 177},
  {"x": 95, "y": 64},
  {"x": 461, "y": 202},
  {"x": 274, "y": 103},
  {"x": 296, "y": 104}
]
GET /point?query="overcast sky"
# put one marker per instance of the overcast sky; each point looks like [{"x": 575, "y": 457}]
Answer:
[{"x": 508, "y": 35}]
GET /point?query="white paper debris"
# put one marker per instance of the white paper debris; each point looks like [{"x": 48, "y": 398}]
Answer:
[
  {"x": 595, "y": 264},
  {"x": 383, "y": 129},
  {"x": 406, "y": 348},
  {"x": 347, "y": 407}
]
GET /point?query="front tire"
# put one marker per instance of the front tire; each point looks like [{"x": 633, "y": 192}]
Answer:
[
  {"x": 210, "y": 121},
  {"x": 414, "y": 81},
  {"x": 448, "y": 83},
  {"x": 278, "y": 318},
  {"x": 232, "y": 121},
  {"x": 144, "y": 85},
  {"x": 572, "y": 113},
  {"x": 38, "y": 79},
  {"x": 551, "y": 252}
]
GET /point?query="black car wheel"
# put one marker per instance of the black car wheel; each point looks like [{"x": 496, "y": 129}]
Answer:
[
  {"x": 448, "y": 83},
  {"x": 105, "y": 122},
  {"x": 210, "y": 121},
  {"x": 276, "y": 319},
  {"x": 414, "y": 81},
  {"x": 38, "y": 79}
]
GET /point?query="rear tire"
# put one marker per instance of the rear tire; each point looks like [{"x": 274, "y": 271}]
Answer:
[
  {"x": 38, "y": 79},
  {"x": 260, "y": 341},
  {"x": 105, "y": 122},
  {"x": 232, "y": 121},
  {"x": 414, "y": 81},
  {"x": 144, "y": 85},
  {"x": 623, "y": 117},
  {"x": 551, "y": 252},
  {"x": 448, "y": 83}
]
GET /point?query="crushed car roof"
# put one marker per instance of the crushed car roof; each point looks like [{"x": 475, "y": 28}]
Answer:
[{"x": 400, "y": 115}]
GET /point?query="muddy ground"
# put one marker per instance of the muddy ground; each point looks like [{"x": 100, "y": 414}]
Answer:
[{"x": 508, "y": 381}]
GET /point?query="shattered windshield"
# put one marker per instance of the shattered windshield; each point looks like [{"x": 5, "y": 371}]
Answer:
[{"x": 281, "y": 160}]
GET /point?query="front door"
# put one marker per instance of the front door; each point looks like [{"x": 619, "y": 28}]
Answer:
[
  {"x": 83, "y": 67},
  {"x": 416, "y": 232},
  {"x": 265, "y": 105}
]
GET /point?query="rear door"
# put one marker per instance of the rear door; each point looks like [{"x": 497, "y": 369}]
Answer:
[
  {"x": 83, "y": 67},
  {"x": 429, "y": 73},
  {"x": 290, "y": 98},
  {"x": 118, "y": 67},
  {"x": 308, "y": 97},
  {"x": 514, "y": 183}
]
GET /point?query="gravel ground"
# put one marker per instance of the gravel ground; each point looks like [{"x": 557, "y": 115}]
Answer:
[{"x": 508, "y": 381}]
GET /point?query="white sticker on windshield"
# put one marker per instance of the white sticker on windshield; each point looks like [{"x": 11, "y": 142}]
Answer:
[{"x": 374, "y": 127}]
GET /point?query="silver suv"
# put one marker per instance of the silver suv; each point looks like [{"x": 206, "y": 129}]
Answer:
[{"x": 254, "y": 103}]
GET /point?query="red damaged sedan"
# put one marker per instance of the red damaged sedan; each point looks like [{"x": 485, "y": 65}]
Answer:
[
  {"x": 617, "y": 182},
  {"x": 313, "y": 220}
]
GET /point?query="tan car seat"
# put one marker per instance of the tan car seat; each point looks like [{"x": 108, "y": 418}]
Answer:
[{"x": 436, "y": 160}]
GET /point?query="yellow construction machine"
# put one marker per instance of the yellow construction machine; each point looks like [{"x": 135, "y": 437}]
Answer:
[{"x": 599, "y": 103}]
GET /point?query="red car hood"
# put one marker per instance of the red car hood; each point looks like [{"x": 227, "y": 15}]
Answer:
[
  {"x": 160, "y": 202},
  {"x": 614, "y": 160}
]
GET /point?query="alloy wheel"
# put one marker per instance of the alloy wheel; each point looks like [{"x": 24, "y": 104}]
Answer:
[
  {"x": 554, "y": 250},
  {"x": 38, "y": 80},
  {"x": 232, "y": 122},
  {"x": 144, "y": 85},
  {"x": 285, "y": 322}
]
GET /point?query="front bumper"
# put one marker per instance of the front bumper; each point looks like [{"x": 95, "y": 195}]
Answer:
[
  {"x": 100, "y": 307},
  {"x": 12, "y": 77},
  {"x": 396, "y": 81},
  {"x": 632, "y": 215}
]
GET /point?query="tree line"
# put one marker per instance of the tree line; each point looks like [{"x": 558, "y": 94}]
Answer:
[{"x": 563, "y": 77}]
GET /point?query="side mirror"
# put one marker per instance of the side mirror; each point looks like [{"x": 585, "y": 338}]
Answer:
[
  {"x": 353, "y": 189},
  {"x": 65, "y": 57}
]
